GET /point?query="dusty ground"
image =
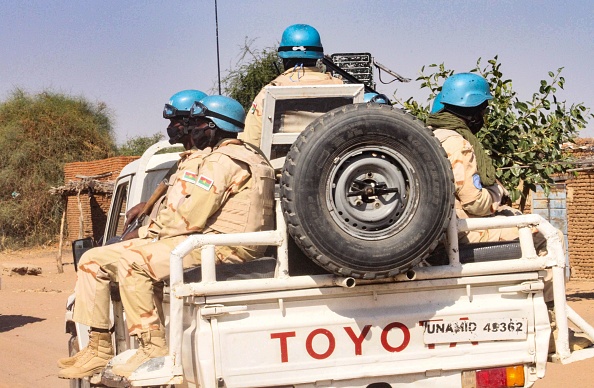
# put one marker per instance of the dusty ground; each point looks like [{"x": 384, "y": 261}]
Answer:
[
  {"x": 32, "y": 308},
  {"x": 32, "y": 334}
]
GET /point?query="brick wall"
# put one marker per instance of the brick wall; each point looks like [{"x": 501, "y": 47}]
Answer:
[
  {"x": 580, "y": 211},
  {"x": 95, "y": 205},
  {"x": 580, "y": 232}
]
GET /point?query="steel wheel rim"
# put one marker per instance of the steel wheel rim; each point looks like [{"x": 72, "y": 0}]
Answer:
[{"x": 371, "y": 216}]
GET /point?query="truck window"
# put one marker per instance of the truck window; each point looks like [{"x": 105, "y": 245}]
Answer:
[{"x": 118, "y": 211}]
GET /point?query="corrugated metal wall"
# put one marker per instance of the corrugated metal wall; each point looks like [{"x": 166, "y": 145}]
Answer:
[{"x": 553, "y": 208}]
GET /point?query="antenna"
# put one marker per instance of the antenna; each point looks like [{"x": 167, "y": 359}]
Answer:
[{"x": 218, "y": 58}]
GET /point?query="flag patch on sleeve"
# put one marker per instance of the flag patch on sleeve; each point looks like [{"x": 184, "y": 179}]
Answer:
[
  {"x": 190, "y": 177},
  {"x": 204, "y": 182}
]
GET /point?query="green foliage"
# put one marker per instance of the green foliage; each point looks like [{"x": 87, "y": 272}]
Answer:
[
  {"x": 254, "y": 70},
  {"x": 137, "y": 145},
  {"x": 524, "y": 138},
  {"x": 38, "y": 134},
  {"x": 430, "y": 82}
]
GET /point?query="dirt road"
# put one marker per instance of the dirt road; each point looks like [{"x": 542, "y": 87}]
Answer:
[{"x": 32, "y": 334}]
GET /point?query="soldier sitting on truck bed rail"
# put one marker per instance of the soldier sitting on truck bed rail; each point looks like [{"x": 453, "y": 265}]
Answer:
[
  {"x": 456, "y": 116},
  {"x": 300, "y": 49},
  {"x": 222, "y": 187}
]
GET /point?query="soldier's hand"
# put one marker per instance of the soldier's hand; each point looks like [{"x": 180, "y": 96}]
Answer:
[
  {"x": 505, "y": 193},
  {"x": 133, "y": 213},
  {"x": 498, "y": 193}
]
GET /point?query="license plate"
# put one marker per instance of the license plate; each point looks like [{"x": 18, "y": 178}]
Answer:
[{"x": 474, "y": 330}]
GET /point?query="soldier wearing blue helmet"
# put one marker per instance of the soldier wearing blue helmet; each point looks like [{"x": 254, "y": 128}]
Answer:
[
  {"x": 300, "y": 49},
  {"x": 456, "y": 116},
  {"x": 220, "y": 185},
  {"x": 179, "y": 106},
  {"x": 464, "y": 99}
]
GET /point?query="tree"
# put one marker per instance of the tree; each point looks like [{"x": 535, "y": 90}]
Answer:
[
  {"x": 523, "y": 138},
  {"x": 254, "y": 69},
  {"x": 38, "y": 134},
  {"x": 137, "y": 145}
]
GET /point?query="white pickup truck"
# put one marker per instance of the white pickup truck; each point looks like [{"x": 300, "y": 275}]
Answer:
[{"x": 345, "y": 297}]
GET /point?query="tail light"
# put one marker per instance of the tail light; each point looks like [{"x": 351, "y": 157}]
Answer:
[{"x": 505, "y": 377}]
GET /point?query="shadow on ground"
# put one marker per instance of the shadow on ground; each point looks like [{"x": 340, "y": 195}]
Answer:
[
  {"x": 578, "y": 296},
  {"x": 9, "y": 322}
]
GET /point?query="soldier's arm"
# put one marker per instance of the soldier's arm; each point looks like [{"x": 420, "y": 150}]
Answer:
[
  {"x": 252, "y": 132},
  {"x": 474, "y": 199}
]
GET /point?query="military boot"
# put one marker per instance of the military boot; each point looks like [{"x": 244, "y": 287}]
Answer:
[
  {"x": 152, "y": 345},
  {"x": 69, "y": 361},
  {"x": 90, "y": 360},
  {"x": 577, "y": 341}
]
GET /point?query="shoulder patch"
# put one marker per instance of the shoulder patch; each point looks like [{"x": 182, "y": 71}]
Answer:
[
  {"x": 204, "y": 183},
  {"x": 476, "y": 179},
  {"x": 190, "y": 177}
]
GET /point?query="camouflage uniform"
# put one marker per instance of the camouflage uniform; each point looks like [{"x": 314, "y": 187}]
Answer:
[
  {"x": 472, "y": 200},
  {"x": 292, "y": 77},
  {"x": 226, "y": 190}
]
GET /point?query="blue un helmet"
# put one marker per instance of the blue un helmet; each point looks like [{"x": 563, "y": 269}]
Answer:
[
  {"x": 226, "y": 113},
  {"x": 180, "y": 103},
  {"x": 377, "y": 98},
  {"x": 465, "y": 90},
  {"x": 301, "y": 41},
  {"x": 437, "y": 105}
]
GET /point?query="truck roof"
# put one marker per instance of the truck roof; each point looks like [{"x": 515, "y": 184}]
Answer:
[{"x": 151, "y": 161}]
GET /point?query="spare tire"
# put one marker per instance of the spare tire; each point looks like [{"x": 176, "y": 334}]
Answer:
[{"x": 367, "y": 191}]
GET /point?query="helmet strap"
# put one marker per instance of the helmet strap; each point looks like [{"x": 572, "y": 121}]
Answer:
[
  {"x": 296, "y": 70},
  {"x": 289, "y": 63}
]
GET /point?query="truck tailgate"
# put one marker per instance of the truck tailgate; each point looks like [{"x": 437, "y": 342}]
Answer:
[{"x": 378, "y": 332}]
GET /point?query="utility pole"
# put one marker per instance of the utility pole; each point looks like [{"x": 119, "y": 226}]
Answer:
[{"x": 218, "y": 57}]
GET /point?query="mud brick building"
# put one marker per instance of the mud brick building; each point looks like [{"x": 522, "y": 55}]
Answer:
[
  {"x": 580, "y": 210},
  {"x": 87, "y": 191}
]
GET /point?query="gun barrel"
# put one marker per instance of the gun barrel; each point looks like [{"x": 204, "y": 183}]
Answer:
[{"x": 137, "y": 223}]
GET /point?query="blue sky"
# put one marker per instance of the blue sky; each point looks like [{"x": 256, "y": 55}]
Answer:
[{"x": 134, "y": 55}]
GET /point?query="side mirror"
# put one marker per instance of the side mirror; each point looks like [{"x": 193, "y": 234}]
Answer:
[{"x": 79, "y": 247}]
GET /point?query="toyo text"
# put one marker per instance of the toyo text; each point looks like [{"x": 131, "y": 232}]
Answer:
[{"x": 357, "y": 339}]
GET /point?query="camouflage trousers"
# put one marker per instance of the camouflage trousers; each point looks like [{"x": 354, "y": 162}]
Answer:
[{"x": 139, "y": 265}]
